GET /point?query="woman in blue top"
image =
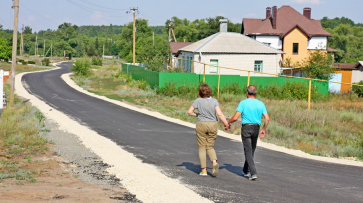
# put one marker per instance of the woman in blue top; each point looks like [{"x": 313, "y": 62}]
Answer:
[{"x": 207, "y": 127}]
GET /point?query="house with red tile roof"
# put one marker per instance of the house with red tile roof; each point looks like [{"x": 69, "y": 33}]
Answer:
[{"x": 288, "y": 30}]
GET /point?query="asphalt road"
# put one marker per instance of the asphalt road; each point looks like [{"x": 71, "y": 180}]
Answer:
[{"x": 173, "y": 149}]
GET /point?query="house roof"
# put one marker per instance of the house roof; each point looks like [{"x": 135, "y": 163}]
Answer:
[
  {"x": 330, "y": 50},
  {"x": 230, "y": 42},
  {"x": 175, "y": 46},
  {"x": 347, "y": 66},
  {"x": 286, "y": 20}
]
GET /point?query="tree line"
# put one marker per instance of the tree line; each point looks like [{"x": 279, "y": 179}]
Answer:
[{"x": 152, "y": 42}]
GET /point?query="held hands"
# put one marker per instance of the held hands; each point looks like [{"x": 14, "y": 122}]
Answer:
[
  {"x": 262, "y": 133},
  {"x": 226, "y": 127}
]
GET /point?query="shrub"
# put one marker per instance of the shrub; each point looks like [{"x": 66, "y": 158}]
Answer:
[
  {"x": 82, "y": 67},
  {"x": 357, "y": 89},
  {"x": 31, "y": 62},
  {"x": 96, "y": 61},
  {"x": 46, "y": 61}
]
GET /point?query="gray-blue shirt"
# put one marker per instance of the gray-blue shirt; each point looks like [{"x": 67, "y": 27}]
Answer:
[{"x": 206, "y": 108}]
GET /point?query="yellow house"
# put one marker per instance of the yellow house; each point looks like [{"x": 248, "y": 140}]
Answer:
[{"x": 286, "y": 29}]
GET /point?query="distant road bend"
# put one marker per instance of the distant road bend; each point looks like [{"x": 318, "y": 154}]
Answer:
[{"x": 173, "y": 149}]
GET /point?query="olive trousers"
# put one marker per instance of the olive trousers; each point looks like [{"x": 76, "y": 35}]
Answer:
[{"x": 206, "y": 137}]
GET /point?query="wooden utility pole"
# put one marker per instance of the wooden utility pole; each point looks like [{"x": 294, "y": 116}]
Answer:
[
  {"x": 133, "y": 35},
  {"x": 103, "y": 52},
  {"x": 51, "y": 51},
  {"x": 35, "y": 47},
  {"x": 22, "y": 42},
  {"x": 153, "y": 39},
  {"x": 44, "y": 49},
  {"x": 15, "y": 45}
]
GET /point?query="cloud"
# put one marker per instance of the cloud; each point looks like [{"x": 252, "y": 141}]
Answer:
[
  {"x": 316, "y": 2},
  {"x": 99, "y": 19}
]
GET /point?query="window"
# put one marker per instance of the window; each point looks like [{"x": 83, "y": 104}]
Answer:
[
  {"x": 295, "y": 48},
  {"x": 214, "y": 68},
  {"x": 258, "y": 66}
]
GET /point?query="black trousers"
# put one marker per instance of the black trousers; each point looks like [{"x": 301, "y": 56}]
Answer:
[{"x": 249, "y": 139}]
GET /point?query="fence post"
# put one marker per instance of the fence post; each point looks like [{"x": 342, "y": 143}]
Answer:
[
  {"x": 182, "y": 69},
  {"x": 219, "y": 80},
  {"x": 192, "y": 71},
  {"x": 309, "y": 96},
  {"x": 248, "y": 79},
  {"x": 204, "y": 74}
]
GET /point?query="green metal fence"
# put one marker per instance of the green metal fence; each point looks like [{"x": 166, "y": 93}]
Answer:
[{"x": 160, "y": 79}]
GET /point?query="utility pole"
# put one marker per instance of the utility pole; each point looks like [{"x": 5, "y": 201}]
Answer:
[
  {"x": 134, "y": 33},
  {"x": 51, "y": 51},
  {"x": 22, "y": 42},
  {"x": 153, "y": 39},
  {"x": 15, "y": 45},
  {"x": 44, "y": 49},
  {"x": 35, "y": 47},
  {"x": 103, "y": 52}
]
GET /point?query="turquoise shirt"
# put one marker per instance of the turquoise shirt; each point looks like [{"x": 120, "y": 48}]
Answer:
[{"x": 251, "y": 111}]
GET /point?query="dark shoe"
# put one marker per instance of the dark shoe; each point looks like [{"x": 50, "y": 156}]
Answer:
[
  {"x": 246, "y": 174},
  {"x": 252, "y": 177},
  {"x": 215, "y": 169}
]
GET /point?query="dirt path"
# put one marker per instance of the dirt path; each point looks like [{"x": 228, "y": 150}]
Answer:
[{"x": 56, "y": 183}]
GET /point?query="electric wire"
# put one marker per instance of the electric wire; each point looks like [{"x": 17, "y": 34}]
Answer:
[
  {"x": 22, "y": 5},
  {"x": 90, "y": 9},
  {"x": 103, "y": 6}
]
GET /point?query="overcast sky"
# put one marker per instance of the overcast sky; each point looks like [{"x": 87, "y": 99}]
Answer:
[{"x": 48, "y": 14}]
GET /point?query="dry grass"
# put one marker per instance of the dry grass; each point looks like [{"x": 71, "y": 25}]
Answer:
[{"x": 331, "y": 128}]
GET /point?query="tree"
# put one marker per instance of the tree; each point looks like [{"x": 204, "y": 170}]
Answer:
[
  {"x": 28, "y": 30},
  {"x": 1, "y": 27},
  {"x": 5, "y": 49},
  {"x": 153, "y": 54},
  {"x": 317, "y": 66}
]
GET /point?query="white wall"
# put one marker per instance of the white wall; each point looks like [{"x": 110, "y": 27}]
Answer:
[
  {"x": 274, "y": 41},
  {"x": 239, "y": 61},
  {"x": 318, "y": 43},
  {"x": 357, "y": 75}
]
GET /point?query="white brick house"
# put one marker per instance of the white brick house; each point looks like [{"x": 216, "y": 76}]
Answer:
[{"x": 231, "y": 50}]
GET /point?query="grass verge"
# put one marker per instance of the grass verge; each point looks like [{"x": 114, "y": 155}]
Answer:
[{"x": 21, "y": 138}]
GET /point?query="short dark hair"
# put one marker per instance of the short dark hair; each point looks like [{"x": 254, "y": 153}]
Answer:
[
  {"x": 252, "y": 90},
  {"x": 205, "y": 91}
]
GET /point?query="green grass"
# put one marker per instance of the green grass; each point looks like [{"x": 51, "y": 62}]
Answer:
[{"x": 331, "y": 128}]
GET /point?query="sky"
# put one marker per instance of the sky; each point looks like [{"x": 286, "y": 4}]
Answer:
[{"x": 49, "y": 14}]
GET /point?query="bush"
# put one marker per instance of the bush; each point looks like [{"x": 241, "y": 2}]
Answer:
[
  {"x": 185, "y": 91},
  {"x": 96, "y": 61},
  {"x": 357, "y": 89},
  {"x": 31, "y": 62},
  {"x": 82, "y": 67},
  {"x": 46, "y": 61}
]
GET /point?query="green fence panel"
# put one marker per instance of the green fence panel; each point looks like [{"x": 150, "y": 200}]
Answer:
[
  {"x": 159, "y": 79},
  {"x": 179, "y": 79}
]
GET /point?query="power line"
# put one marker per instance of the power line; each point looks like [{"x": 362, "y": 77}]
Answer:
[
  {"x": 39, "y": 15},
  {"x": 103, "y": 6},
  {"x": 90, "y": 9},
  {"x": 144, "y": 14}
]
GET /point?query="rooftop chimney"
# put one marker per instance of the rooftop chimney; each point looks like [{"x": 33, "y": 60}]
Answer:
[
  {"x": 307, "y": 12},
  {"x": 223, "y": 25},
  {"x": 268, "y": 12},
  {"x": 274, "y": 17}
]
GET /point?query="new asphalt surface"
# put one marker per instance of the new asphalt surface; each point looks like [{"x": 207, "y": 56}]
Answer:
[{"x": 173, "y": 149}]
